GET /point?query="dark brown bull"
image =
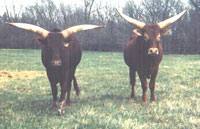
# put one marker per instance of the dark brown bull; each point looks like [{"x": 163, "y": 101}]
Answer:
[
  {"x": 61, "y": 53},
  {"x": 143, "y": 53}
]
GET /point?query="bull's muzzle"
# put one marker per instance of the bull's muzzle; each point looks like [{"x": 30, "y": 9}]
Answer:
[
  {"x": 153, "y": 51},
  {"x": 56, "y": 62}
]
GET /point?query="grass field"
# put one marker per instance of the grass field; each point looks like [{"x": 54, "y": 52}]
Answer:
[{"x": 25, "y": 98}]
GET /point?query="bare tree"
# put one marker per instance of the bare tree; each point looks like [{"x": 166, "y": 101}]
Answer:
[
  {"x": 88, "y": 4},
  {"x": 196, "y": 4},
  {"x": 184, "y": 39}
]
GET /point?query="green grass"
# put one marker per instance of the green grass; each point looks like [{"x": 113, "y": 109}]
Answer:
[{"x": 25, "y": 98}]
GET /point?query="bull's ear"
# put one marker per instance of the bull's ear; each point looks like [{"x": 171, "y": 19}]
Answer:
[
  {"x": 137, "y": 32},
  {"x": 165, "y": 32},
  {"x": 40, "y": 41}
]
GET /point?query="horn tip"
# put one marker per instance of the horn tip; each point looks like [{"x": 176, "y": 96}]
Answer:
[
  {"x": 101, "y": 27},
  {"x": 7, "y": 22}
]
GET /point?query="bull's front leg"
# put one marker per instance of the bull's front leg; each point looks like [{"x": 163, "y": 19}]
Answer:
[
  {"x": 61, "y": 108},
  {"x": 65, "y": 88},
  {"x": 144, "y": 86},
  {"x": 71, "y": 77},
  {"x": 152, "y": 85},
  {"x": 54, "y": 90},
  {"x": 132, "y": 81}
]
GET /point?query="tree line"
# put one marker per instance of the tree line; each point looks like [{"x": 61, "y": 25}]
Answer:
[{"x": 184, "y": 39}]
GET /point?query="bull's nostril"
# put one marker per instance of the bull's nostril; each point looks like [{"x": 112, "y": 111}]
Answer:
[
  {"x": 157, "y": 51},
  {"x": 56, "y": 63},
  {"x": 153, "y": 51}
]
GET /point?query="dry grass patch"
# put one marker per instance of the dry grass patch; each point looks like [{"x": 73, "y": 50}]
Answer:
[{"x": 12, "y": 75}]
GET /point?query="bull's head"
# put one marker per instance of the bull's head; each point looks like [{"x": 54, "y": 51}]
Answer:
[
  {"x": 54, "y": 41},
  {"x": 151, "y": 33}
]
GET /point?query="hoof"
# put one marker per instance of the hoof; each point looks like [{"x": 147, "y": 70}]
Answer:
[
  {"x": 69, "y": 103},
  {"x": 152, "y": 100},
  {"x": 77, "y": 92},
  {"x": 61, "y": 112},
  {"x": 133, "y": 97},
  {"x": 144, "y": 99},
  {"x": 61, "y": 109},
  {"x": 54, "y": 106},
  {"x": 144, "y": 102}
]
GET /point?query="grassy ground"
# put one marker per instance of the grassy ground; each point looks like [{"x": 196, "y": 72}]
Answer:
[{"x": 104, "y": 102}]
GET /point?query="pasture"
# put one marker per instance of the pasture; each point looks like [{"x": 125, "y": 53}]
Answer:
[{"x": 25, "y": 94}]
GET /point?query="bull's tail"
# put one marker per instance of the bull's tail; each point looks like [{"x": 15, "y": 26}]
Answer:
[{"x": 76, "y": 88}]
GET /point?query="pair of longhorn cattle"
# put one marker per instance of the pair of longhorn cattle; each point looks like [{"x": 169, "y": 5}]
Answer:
[{"x": 61, "y": 53}]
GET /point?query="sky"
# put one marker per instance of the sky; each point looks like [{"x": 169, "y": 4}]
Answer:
[{"x": 21, "y": 4}]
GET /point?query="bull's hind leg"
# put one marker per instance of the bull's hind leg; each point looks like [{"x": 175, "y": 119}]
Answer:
[
  {"x": 144, "y": 86},
  {"x": 68, "y": 94},
  {"x": 76, "y": 86},
  {"x": 71, "y": 77},
  {"x": 132, "y": 82},
  {"x": 152, "y": 85}
]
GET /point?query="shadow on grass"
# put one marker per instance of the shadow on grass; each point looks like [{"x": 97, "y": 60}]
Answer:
[
  {"x": 41, "y": 104},
  {"x": 25, "y": 102},
  {"x": 116, "y": 99}
]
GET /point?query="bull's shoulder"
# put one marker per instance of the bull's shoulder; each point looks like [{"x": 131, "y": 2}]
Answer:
[
  {"x": 74, "y": 49},
  {"x": 130, "y": 50},
  {"x": 73, "y": 42},
  {"x": 132, "y": 41},
  {"x": 133, "y": 37}
]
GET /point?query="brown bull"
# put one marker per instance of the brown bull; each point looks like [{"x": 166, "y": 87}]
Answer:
[
  {"x": 61, "y": 53},
  {"x": 143, "y": 53}
]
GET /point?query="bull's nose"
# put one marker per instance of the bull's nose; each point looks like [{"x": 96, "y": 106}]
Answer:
[
  {"x": 153, "y": 51},
  {"x": 56, "y": 62}
]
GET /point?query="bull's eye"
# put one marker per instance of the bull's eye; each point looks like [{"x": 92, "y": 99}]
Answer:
[
  {"x": 66, "y": 44},
  {"x": 158, "y": 37},
  {"x": 146, "y": 37}
]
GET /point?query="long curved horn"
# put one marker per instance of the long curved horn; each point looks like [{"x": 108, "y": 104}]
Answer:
[
  {"x": 134, "y": 22},
  {"x": 42, "y": 32},
  {"x": 78, "y": 28},
  {"x": 171, "y": 20}
]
